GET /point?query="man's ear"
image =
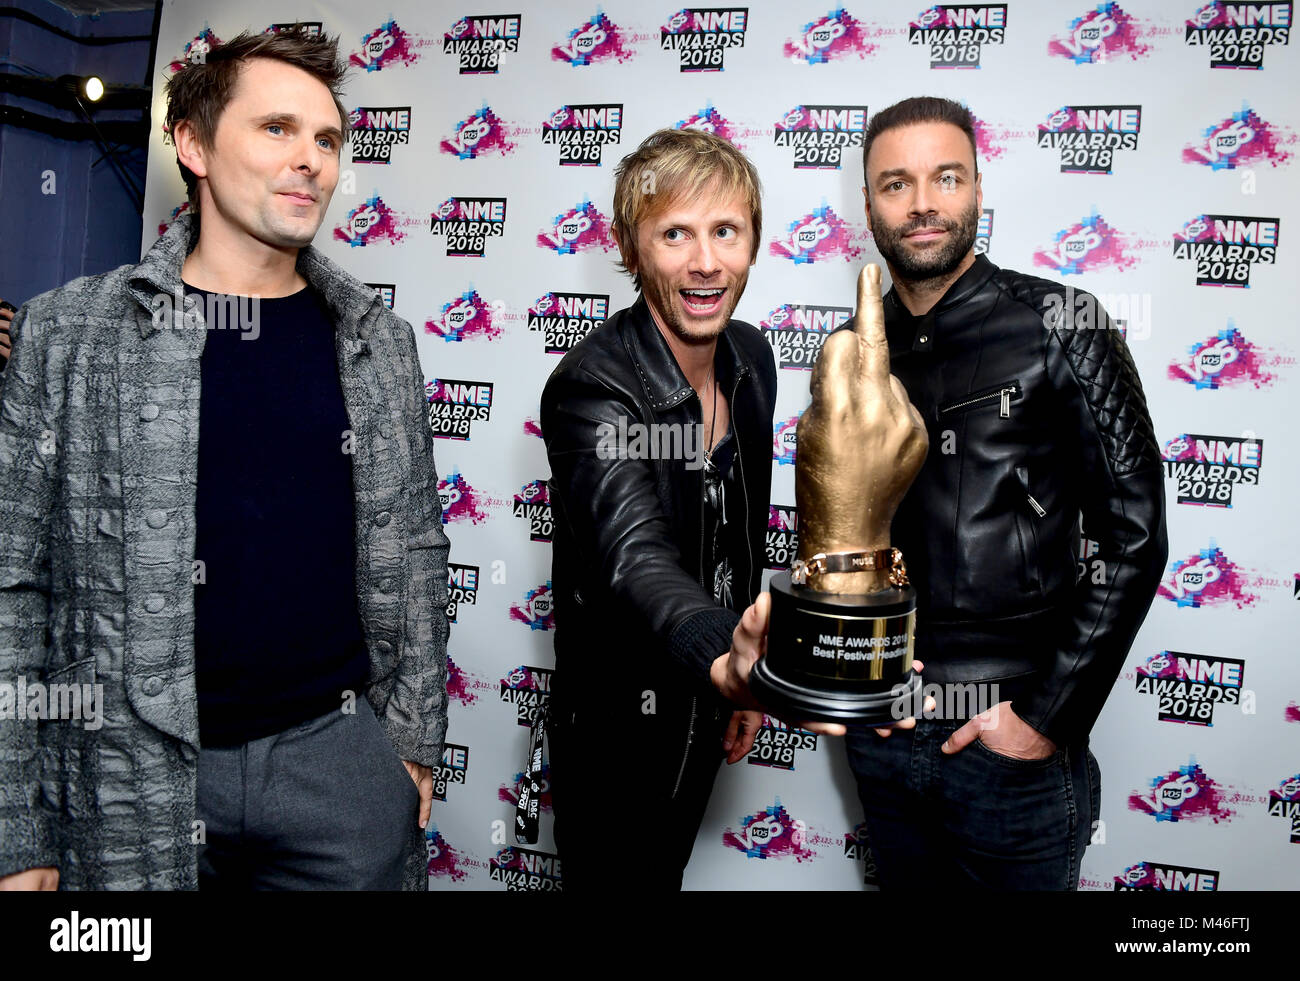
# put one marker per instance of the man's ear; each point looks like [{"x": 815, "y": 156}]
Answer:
[
  {"x": 189, "y": 150},
  {"x": 866, "y": 208},
  {"x": 979, "y": 190}
]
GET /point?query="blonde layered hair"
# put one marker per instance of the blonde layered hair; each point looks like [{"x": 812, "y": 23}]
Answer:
[{"x": 676, "y": 165}]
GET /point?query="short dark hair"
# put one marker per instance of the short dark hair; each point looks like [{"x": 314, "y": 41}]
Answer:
[
  {"x": 199, "y": 91},
  {"x": 919, "y": 109}
]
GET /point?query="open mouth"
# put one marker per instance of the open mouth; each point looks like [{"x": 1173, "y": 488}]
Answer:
[{"x": 703, "y": 301}]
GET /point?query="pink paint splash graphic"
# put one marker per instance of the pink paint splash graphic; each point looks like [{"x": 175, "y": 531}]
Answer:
[
  {"x": 709, "y": 120},
  {"x": 196, "y": 50},
  {"x": 532, "y": 427},
  {"x": 770, "y": 833},
  {"x": 597, "y": 40},
  {"x": 1088, "y": 245},
  {"x": 783, "y": 440},
  {"x": 1207, "y": 578},
  {"x": 464, "y": 686},
  {"x": 509, "y": 793},
  {"x": 1292, "y": 712},
  {"x": 991, "y": 141},
  {"x": 1185, "y": 794},
  {"x": 479, "y": 135},
  {"x": 467, "y": 316},
  {"x": 580, "y": 229},
  {"x": 1243, "y": 139},
  {"x": 460, "y": 501},
  {"x": 1226, "y": 359},
  {"x": 387, "y": 46},
  {"x": 370, "y": 222},
  {"x": 837, "y": 35},
  {"x": 175, "y": 213},
  {"x": 1100, "y": 35},
  {"x": 537, "y": 609},
  {"x": 821, "y": 234},
  {"x": 444, "y": 861}
]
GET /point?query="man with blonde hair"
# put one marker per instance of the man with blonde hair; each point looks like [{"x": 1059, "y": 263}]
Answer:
[{"x": 658, "y": 426}]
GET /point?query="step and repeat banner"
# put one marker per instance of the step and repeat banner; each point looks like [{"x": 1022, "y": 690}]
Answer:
[{"x": 1144, "y": 152}]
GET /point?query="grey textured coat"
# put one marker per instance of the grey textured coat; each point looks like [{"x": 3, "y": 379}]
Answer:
[{"x": 99, "y": 425}]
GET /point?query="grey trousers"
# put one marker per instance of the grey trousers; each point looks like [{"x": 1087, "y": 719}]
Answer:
[{"x": 323, "y": 805}]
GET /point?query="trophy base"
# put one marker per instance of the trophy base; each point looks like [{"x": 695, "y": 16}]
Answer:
[{"x": 803, "y": 703}]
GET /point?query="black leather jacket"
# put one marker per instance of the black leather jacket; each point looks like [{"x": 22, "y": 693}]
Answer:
[
  {"x": 631, "y": 610},
  {"x": 1033, "y": 422}
]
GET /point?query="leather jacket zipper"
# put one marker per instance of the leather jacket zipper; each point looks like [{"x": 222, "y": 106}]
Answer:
[{"x": 1003, "y": 393}]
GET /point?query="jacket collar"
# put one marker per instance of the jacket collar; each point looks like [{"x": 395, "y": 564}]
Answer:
[
  {"x": 962, "y": 289},
  {"x": 662, "y": 378},
  {"x": 160, "y": 272}
]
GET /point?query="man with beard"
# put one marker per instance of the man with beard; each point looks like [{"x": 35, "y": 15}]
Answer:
[{"x": 1035, "y": 417}]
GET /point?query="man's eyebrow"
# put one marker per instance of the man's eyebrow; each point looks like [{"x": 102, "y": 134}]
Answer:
[
  {"x": 294, "y": 120},
  {"x": 893, "y": 172}
]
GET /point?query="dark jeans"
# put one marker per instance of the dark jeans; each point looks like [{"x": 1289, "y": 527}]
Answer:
[
  {"x": 322, "y": 805},
  {"x": 975, "y": 820}
]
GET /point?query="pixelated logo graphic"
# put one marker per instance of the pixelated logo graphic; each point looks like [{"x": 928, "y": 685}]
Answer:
[
  {"x": 821, "y": 134},
  {"x": 797, "y": 331},
  {"x": 312, "y": 27},
  {"x": 526, "y": 870},
  {"x": 1237, "y": 34},
  {"x": 782, "y": 542},
  {"x": 1292, "y": 711},
  {"x": 566, "y": 318},
  {"x": 532, "y": 428},
  {"x": 1207, "y": 468},
  {"x": 480, "y": 134},
  {"x": 460, "y": 501},
  {"x": 1284, "y": 802},
  {"x": 1101, "y": 34},
  {"x": 526, "y": 687},
  {"x": 1088, "y": 137},
  {"x": 598, "y": 39},
  {"x": 1188, "y": 686},
  {"x": 1088, "y": 245},
  {"x": 784, "y": 433},
  {"x": 468, "y": 223},
  {"x": 836, "y": 35},
  {"x": 388, "y": 46},
  {"x": 1224, "y": 247},
  {"x": 1154, "y": 877},
  {"x": 537, "y": 610},
  {"x": 465, "y": 686},
  {"x": 1207, "y": 578},
  {"x": 446, "y": 862},
  {"x": 777, "y": 745},
  {"x": 770, "y": 833},
  {"x": 196, "y": 50},
  {"x": 1227, "y": 359},
  {"x": 955, "y": 34},
  {"x": 481, "y": 42},
  {"x": 1185, "y": 794},
  {"x": 175, "y": 213},
  {"x": 453, "y": 769},
  {"x": 462, "y": 588},
  {"x": 583, "y": 131},
  {"x": 455, "y": 405},
  {"x": 702, "y": 36},
  {"x": 375, "y": 130},
  {"x": 580, "y": 229},
  {"x": 467, "y": 316},
  {"x": 709, "y": 120},
  {"x": 819, "y": 235},
  {"x": 369, "y": 223},
  {"x": 533, "y": 504},
  {"x": 1243, "y": 139}
]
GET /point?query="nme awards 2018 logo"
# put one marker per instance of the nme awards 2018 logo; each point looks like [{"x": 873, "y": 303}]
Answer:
[
  {"x": 480, "y": 42},
  {"x": 453, "y": 769},
  {"x": 527, "y": 688},
  {"x": 387, "y": 293},
  {"x": 1089, "y": 244},
  {"x": 1088, "y": 136},
  {"x": 537, "y": 610},
  {"x": 771, "y": 833},
  {"x": 821, "y": 234},
  {"x": 1207, "y": 578},
  {"x": 956, "y": 33},
  {"x": 782, "y": 543},
  {"x": 566, "y": 318},
  {"x": 776, "y": 744},
  {"x": 701, "y": 36},
  {"x": 580, "y": 229},
  {"x": 797, "y": 331},
  {"x": 1224, "y": 247},
  {"x": 1185, "y": 794},
  {"x": 467, "y": 224},
  {"x": 477, "y": 135},
  {"x": 526, "y": 870},
  {"x": 466, "y": 316},
  {"x": 1243, "y": 139},
  {"x": 1226, "y": 359},
  {"x": 533, "y": 504},
  {"x": 1208, "y": 467},
  {"x": 1238, "y": 33},
  {"x": 462, "y": 587},
  {"x": 598, "y": 39},
  {"x": 984, "y": 232},
  {"x": 836, "y": 35},
  {"x": 581, "y": 131},
  {"x": 455, "y": 405},
  {"x": 1154, "y": 877},
  {"x": 370, "y": 222},
  {"x": 784, "y": 438},
  {"x": 386, "y": 46},
  {"x": 1100, "y": 35},
  {"x": 821, "y": 134},
  {"x": 1188, "y": 686},
  {"x": 376, "y": 130},
  {"x": 1284, "y": 802},
  {"x": 857, "y": 848}
]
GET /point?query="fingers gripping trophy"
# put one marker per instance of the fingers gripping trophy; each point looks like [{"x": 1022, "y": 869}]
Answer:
[{"x": 841, "y": 635}]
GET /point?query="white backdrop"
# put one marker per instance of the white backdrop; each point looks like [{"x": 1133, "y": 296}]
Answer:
[{"x": 473, "y": 118}]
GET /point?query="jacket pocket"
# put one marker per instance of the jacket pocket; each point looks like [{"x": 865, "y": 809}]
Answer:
[
  {"x": 1028, "y": 511},
  {"x": 1001, "y": 395}
]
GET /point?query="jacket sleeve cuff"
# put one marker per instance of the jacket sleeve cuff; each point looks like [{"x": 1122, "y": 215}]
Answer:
[
  {"x": 28, "y": 844},
  {"x": 701, "y": 638}
]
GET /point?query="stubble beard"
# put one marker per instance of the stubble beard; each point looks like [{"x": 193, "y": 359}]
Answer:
[{"x": 918, "y": 270}]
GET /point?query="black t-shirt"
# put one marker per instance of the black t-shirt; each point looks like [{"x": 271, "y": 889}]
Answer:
[{"x": 277, "y": 636}]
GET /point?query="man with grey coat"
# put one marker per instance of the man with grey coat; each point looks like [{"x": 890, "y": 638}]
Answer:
[{"x": 222, "y": 564}]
